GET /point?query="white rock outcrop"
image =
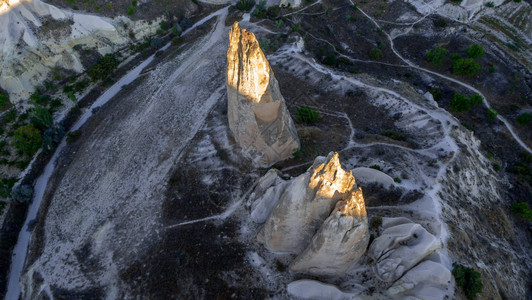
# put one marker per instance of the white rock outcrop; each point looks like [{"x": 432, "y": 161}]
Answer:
[
  {"x": 306, "y": 202},
  {"x": 258, "y": 117},
  {"x": 428, "y": 280},
  {"x": 36, "y": 37},
  {"x": 341, "y": 240},
  {"x": 265, "y": 195},
  {"x": 400, "y": 247}
]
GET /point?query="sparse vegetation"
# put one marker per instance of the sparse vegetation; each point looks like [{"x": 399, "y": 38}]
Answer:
[
  {"x": 297, "y": 153},
  {"x": 475, "y": 99},
  {"x": 468, "y": 279},
  {"x": 22, "y": 193},
  {"x": 460, "y": 103},
  {"x": 376, "y": 167},
  {"x": 73, "y": 136},
  {"x": 436, "y": 56},
  {"x": 245, "y": 5},
  {"x": 490, "y": 4},
  {"x": 523, "y": 210},
  {"x": 492, "y": 115},
  {"x": 524, "y": 119},
  {"x": 131, "y": 10},
  {"x": 375, "y": 54},
  {"x": 394, "y": 135},
  {"x": 307, "y": 115},
  {"x": 475, "y": 51},
  {"x": 467, "y": 67},
  {"x": 397, "y": 179},
  {"x": 27, "y": 139},
  {"x": 436, "y": 93},
  {"x": 103, "y": 68}
]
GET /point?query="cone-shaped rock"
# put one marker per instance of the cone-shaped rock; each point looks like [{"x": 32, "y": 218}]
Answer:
[
  {"x": 306, "y": 202},
  {"x": 341, "y": 240},
  {"x": 258, "y": 117}
]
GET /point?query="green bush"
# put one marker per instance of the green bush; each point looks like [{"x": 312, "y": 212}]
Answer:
[
  {"x": 260, "y": 10},
  {"x": 3, "y": 101},
  {"x": 436, "y": 93},
  {"x": 376, "y": 167},
  {"x": 103, "y": 68},
  {"x": 41, "y": 118},
  {"x": 51, "y": 137},
  {"x": 245, "y": 5},
  {"x": 475, "y": 51},
  {"x": 475, "y": 99},
  {"x": 436, "y": 56},
  {"x": 296, "y": 27},
  {"x": 297, "y": 153},
  {"x": 307, "y": 115},
  {"x": 490, "y": 4},
  {"x": 398, "y": 136},
  {"x": 492, "y": 115},
  {"x": 467, "y": 67},
  {"x": 131, "y": 10},
  {"x": 22, "y": 193},
  {"x": 524, "y": 119},
  {"x": 468, "y": 279},
  {"x": 27, "y": 139},
  {"x": 460, "y": 103},
  {"x": 523, "y": 210},
  {"x": 375, "y": 54}
]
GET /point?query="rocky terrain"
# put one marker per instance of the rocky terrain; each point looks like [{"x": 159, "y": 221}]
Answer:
[{"x": 160, "y": 192}]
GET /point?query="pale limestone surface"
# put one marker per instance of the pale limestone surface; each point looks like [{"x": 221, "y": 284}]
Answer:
[
  {"x": 258, "y": 117},
  {"x": 428, "y": 280},
  {"x": 401, "y": 246},
  {"x": 341, "y": 240},
  {"x": 265, "y": 195},
  {"x": 307, "y": 201},
  {"x": 29, "y": 53}
]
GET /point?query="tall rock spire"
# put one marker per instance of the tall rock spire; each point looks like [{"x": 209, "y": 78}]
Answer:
[{"x": 258, "y": 116}]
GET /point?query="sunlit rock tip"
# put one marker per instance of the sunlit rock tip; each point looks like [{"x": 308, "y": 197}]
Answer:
[
  {"x": 258, "y": 117},
  {"x": 305, "y": 219}
]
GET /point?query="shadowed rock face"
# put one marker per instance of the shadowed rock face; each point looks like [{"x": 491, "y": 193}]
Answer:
[
  {"x": 258, "y": 117},
  {"x": 341, "y": 240}
]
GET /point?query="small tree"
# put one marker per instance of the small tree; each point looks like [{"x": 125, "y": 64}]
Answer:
[
  {"x": 307, "y": 115},
  {"x": 22, "y": 193},
  {"x": 375, "y": 54},
  {"x": 475, "y": 51},
  {"x": 41, "y": 118},
  {"x": 436, "y": 93},
  {"x": 27, "y": 139},
  {"x": 52, "y": 136},
  {"x": 468, "y": 279},
  {"x": 466, "y": 66},
  {"x": 436, "y": 56},
  {"x": 460, "y": 103},
  {"x": 475, "y": 99},
  {"x": 524, "y": 119}
]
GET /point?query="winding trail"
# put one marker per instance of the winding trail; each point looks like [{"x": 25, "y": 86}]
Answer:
[{"x": 471, "y": 88}]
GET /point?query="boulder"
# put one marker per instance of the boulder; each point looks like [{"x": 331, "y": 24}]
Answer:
[
  {"x": 401, "y": 246},
  {"x": 428, "y": 280},
  {"x": 258, "y": 117},
  {"x": 306, "y": 202},
  {"x": 341, "y": 240}
]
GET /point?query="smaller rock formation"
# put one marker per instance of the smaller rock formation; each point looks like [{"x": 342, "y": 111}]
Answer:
[
  {"x": 341, "y": 240},
  {"x": 267, "y": 192},
  {"x": 258, "y": 117},
  {"x": 290, "y": 3},
  {"x": 307, "y": 201},
  {"x": 401, "y": 246},
  {"x": 428, "y": 280}
]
